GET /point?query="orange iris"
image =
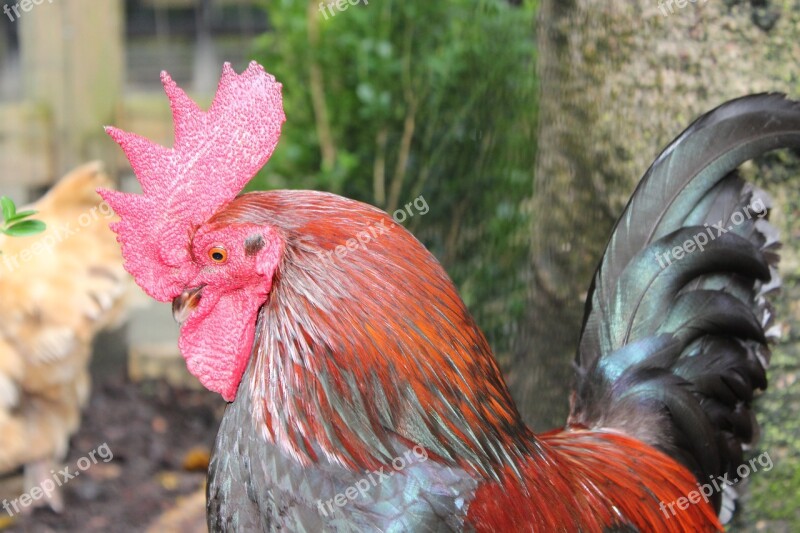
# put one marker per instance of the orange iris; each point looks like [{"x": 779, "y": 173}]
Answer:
[{"x": 218, "y": 254}]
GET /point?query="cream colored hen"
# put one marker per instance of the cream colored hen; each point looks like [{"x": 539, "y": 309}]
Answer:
[{"x": 58, "y": 289}]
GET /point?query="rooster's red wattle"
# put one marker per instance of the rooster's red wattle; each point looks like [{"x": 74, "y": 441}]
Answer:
[{"x": 339, "y": 366}]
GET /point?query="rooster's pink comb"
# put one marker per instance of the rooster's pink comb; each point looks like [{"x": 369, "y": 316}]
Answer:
[{"x": 214, "y": 156}]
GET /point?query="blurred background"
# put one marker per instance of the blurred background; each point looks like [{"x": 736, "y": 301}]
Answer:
[{"x": 524, "y": 124}]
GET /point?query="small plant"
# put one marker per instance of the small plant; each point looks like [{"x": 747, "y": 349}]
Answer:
[{"x": 18, "y": 224}]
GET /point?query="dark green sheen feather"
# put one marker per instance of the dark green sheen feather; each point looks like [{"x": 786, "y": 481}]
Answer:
[
  {"x": 645, "y": 290},
  {"x": 674, "y": 336},
  {"x": 679, "y": 181}
]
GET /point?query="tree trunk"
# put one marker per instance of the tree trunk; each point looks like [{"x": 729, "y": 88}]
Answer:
[{"x": 620, "y": 79}]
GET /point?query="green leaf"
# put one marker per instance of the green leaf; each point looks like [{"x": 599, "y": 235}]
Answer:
[
  {"x": 20, "y": 215},
  {"x": 25, "y": 228},
  {"x": 9, "y": 209}
]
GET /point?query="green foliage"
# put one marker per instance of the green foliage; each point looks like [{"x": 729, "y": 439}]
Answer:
[
  {"x": 389, "y": 100},
  {"x": 14, "y": 223}
]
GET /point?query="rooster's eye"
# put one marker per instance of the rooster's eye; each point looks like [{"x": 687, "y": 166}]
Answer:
[{"x": 218, "y": 254}]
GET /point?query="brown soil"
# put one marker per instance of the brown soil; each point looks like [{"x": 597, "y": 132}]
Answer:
[{"x": 160, "y": 438}]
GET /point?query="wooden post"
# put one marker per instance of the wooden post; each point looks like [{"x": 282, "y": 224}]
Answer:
[{"x": 73, "y": 64}]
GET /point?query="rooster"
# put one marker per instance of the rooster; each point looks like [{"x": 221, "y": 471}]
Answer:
[
  {"x": 59, "y": 289},
  {"x": 364, "y": 397}
]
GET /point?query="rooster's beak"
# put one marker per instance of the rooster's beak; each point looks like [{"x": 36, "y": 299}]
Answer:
[{"x": 183, "y": 305}]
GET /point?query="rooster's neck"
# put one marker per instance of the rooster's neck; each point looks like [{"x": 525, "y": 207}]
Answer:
[{"x": 354, "y": 351}]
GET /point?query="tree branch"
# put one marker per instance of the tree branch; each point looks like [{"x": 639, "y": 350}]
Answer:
[{"x": 317, "y": 90}]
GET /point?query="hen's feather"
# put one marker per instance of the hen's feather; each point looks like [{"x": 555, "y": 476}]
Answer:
[{"x": 58, "y": 290}]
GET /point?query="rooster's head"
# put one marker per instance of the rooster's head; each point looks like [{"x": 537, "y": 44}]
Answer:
[{"x": 216, "y": 275}]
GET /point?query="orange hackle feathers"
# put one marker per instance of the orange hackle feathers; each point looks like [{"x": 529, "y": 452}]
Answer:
[{"x": 589, "y": 481}]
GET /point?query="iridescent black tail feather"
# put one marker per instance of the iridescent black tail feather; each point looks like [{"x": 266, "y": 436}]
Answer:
[{"x": 674, "y": 340}]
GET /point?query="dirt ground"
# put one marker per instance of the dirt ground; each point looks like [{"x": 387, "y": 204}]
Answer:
[{"x": 160, "y": 439}]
